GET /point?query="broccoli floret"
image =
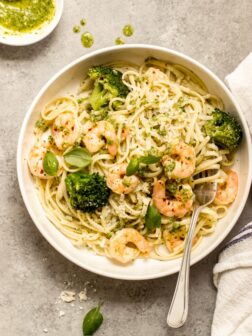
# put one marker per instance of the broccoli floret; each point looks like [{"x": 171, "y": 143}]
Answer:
[
  {"x": 224, "y": 130},
  {"x": 107, "y": 85},
  {"x": 87, "y": 192}
]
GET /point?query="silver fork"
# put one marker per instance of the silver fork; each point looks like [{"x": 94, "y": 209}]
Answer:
[{"x": 204, "y": 195}]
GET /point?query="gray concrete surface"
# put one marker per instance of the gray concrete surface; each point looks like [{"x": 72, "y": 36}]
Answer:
[{"x": 216, "y": 33}]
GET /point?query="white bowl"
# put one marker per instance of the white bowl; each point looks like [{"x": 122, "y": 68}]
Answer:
[
  {"x": 36, "y": 35},
  {"x": 67, "y": 81}
]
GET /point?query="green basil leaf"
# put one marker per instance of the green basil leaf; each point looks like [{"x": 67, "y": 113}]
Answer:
[
  {"x": 149, "y": 159},
  {"x": 152, "y": 218},
  {"x": 132, "y": 167},
  {"x": 50, "y": 164},
  {"x": 78, "y": 157},
  {"x": 92, "y": 321}
]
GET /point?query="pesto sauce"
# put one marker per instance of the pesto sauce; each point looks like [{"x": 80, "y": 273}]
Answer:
[
  {"x": 119, "y": 40},
  {"x": 87, "y": 40},
  {"x": 128, "y": 30},
  {"x": 76, "y": 29},
  {"x": 24, "y": 16},
  {"x": 83, "y": 22}
]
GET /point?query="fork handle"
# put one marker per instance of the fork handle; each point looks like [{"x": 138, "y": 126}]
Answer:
[{"x": 179, "y": 307}]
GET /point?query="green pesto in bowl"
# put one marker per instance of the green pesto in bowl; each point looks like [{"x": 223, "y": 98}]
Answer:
[{"x": 25, "y": 16}]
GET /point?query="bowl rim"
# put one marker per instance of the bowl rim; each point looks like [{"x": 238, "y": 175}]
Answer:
[
  {"x": 29, "y": 39},
  {"x": 58, "y": 248}
]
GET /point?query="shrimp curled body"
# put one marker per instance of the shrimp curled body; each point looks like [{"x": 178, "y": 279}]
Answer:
[
  {"x": 65, "y": 130},
  {"x": 174, "y": 241},
  {"x": 226, "y": 192},
  {"x": 119, "y": 250},
  {"x": 177, "y": 207},
  {"x": 119, "y": 183},
  {"x": 100, "y": 134},
  {"x": 35, "y": 161},
  {"x": 181, "y": 161}
]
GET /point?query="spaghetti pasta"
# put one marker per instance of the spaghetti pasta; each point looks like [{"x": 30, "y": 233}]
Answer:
[{"x": 167, "y": 104}]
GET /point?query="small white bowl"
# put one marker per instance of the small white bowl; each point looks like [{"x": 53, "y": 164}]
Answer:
[
  {"x": 37, "y": 35},
  {"x": 66, "y": 81}
]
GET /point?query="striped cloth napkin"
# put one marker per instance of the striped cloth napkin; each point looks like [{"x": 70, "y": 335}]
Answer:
[
  {"x": 232, "y": 274},
  {"x": 233, "y": 278},
  {"x": 240, "y": 83}
]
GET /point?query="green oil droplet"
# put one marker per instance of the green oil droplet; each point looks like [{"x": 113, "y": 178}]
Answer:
[
  {"x": 128, "y": 30},
  {"x": 87, "y": 40},
  {"x": 119, "y": 41},
  {"x": 83, "y": 22},
  {"x": 76, "y": 29}
]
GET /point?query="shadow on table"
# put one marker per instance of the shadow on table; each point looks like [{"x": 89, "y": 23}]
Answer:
[
  {"x": 28, "y": 52},
  {"x": 147, "y": 297}
]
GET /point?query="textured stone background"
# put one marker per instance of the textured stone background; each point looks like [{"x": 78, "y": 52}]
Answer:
[{"x": 216, "y": 33}]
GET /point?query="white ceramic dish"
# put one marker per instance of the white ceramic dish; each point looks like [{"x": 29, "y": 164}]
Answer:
[
  {"x": 36, "y": 35},
  {"x": 66, "y": 81}
]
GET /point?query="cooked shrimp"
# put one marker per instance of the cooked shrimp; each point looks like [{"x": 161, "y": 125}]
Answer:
[
  {"x": 65, "y": 130},
  {"x": 35, "y": 161},
  {"x": 172, "y": 241},
  {"x": 175, "y": 239},
  {"x": 177, "y": 207},
  {"x": 94, "y": 138},
  {"x": 119, "y": 183},
  {"x": 226, "y": 192},
  {"x": 180, "y": 163},
  {"x": 119, "y": 250},
  {"x": 125, "y": 133}
]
